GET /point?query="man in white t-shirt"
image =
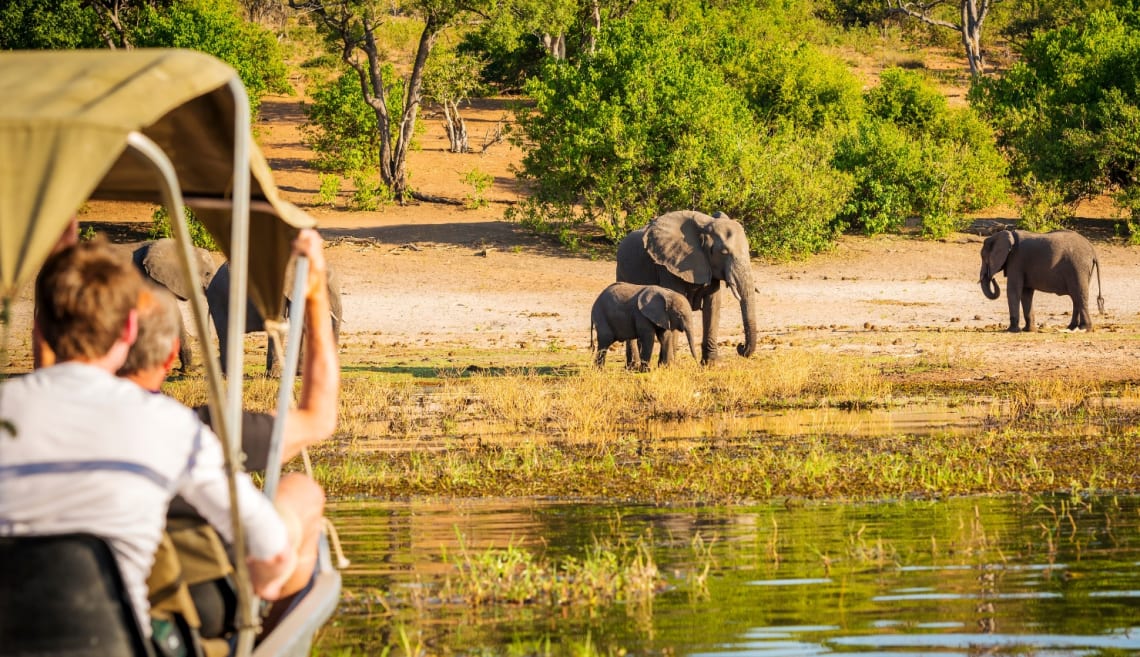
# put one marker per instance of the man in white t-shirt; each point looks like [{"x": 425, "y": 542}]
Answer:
[{"x": 91, "y": 452}]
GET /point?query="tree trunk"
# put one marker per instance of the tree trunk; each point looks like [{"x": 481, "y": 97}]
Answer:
[
  {"x": 973, "y": 16},
  {"x": 456, "y": 127}
]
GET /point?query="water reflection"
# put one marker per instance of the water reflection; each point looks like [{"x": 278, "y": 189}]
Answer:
[{"x": 963, "y": 576}]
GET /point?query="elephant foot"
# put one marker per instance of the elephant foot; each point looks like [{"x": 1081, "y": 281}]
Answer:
[{"x": 1013, "y": 329}]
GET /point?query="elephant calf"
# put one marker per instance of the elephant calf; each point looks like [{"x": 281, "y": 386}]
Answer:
[
  {"x": 1060, "y": 262},
  {"x": 624, "y": 311}
]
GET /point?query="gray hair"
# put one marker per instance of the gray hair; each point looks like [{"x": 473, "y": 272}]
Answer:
[{"x": 159, "y": 324}]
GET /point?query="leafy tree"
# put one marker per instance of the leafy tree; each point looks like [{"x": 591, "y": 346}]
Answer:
[
  {"x": 36, "y": 25},
  {"x": 451, "y": 79},
  {"x": 971, "y": 16},
  {"x": 648, "y": 124},
  {"x": 351, "y": 27},
  {"x": 212, "y": 26},
  {"x": 217, "y": 27},
  {"x": 1069, "y": 112},
  {"x": 342, "y": 128},
  {"x": 913, "y": 156}
]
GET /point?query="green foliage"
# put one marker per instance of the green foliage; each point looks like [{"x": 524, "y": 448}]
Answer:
[
  {"x": 329, "y": 189},
  {"x": 793, "y": 85},
  {"x": 452, "y": 76},
  {"x": 911, "y": 156},
  {"x": 907, "y": 100},
  {"x": 795, "y": 196},
  {"x": 369, "y": 194},
  {"x": 199, "y": 236},
  {"x": 37, "y": 25},
  {"x": 634, "y": 131},
  {"x": 87, "y": 234},
  {"x": 480, "y": 182},
  {"x": 218, "y": 28},
  {"x": 1069, "y": 111},
  {"x": 1043, "y": 205},
  {"x": 342, "y": 128},
  {"x": 851, "y": 13}
]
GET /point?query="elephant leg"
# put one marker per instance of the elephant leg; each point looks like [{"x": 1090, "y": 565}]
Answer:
[
  {"x": 1027, "y": 309},
  {"x": 665, "y": 356},
  {"x": 185, "y": 356},
  {"x": 1013, "y": 297},
  {"x": 600, "y": 355},
  {"x": 1081, "y": 317},
  {"x": 630, "y": 354},
  {"x": 710, "y": 315},
  {"x": 645, "y": 351}
]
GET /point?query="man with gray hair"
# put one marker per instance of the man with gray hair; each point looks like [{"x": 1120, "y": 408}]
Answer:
[{"x": 299, "y": 498}]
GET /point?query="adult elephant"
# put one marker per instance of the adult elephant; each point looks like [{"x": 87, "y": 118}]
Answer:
[
  {"x": 1060, "y": 262},
  {"x": 158, "y": 262},
  {"x": 691, "y": 253},
  {"x": 218, "y": 298}
]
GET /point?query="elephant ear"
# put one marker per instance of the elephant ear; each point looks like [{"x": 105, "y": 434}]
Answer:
[
  {"x": 675, "y": 241},
  {"x": 160, "y": 262},
  {"x": 1000, "y": 246},
  {"x": 651, "y": 303}
]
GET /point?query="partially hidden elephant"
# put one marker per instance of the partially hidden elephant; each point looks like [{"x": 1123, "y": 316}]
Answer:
[
  {"x": 218, "y": 298},
  {"x": 158, "y": 262},
  {"x": 691, "y": 253},
  {"x": 645, "y": 313},
  {"x": 1060, "y": 262}
]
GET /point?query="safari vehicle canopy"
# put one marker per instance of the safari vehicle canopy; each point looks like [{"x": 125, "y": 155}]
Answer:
[{"x": 146, "y": 125}]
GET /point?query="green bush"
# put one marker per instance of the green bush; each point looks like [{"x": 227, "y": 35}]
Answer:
[
  {"x": 480, "y": 182},
  {"x": 1069, "y": 111},
  {"x": 37, "y": 25},
  {"x": 912, "y": 156},
  {"x": 1042, "y": 205},
  {"x": 217, "y": 27},
  {"x": 342, "y": 128},
  {"x": 329, "y": 189},
  {"x": 653, "y": 122},
  {"x": 369, "y": 194},
  {"x": 160, "y": 227}
]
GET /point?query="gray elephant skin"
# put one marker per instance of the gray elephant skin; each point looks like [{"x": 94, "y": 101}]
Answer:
[
  {"x": 1060, "y": 262},
  {"x": 691, "y": 253},
  {"x": 218, "y": 298},
  {"x": 645, "y": 313},
  {"x": 157, "y": 260}
]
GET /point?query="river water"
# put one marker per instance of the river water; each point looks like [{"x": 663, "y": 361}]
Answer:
[{"x": 970, "y": 576}]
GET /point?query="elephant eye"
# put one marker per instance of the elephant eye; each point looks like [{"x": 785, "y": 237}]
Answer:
[{"x": 724, "y": 251}]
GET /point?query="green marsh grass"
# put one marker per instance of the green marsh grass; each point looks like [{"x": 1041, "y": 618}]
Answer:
[{"x": 685, "y": 433}]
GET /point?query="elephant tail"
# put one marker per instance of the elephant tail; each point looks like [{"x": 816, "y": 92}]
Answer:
[
  {"x": 1099, "y": 298},
  {"x": 592, "y": 327}
]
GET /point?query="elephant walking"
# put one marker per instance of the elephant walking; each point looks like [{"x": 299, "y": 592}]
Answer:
[
  {"x": 645, "y": 313},
  {"x": 158, "y": 262},
  {"x": 218, "y": 298},
  {"x": 691, "y": 253},
  {"x": 1060, "y": 262}
]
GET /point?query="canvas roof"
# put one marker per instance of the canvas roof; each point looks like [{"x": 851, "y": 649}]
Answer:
[{"x": 64, "y": 121}]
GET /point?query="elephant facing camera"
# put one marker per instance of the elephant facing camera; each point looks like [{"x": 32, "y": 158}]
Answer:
[
  {"x": 1060, "y": 262},
  {"x": 642, "y": 313},
  {"x": 691, "y": 253}
]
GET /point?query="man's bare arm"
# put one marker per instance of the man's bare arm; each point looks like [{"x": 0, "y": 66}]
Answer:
[{"x": 315, "y": 417}]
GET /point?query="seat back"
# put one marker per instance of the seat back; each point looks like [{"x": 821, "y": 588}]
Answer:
[{"x": 63, "y": 596}]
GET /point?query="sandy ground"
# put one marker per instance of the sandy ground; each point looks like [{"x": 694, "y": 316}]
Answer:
[{"x": 427, "y": 274}]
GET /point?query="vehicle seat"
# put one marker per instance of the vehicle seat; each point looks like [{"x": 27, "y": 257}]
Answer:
[{"x": 62, "y": 596}]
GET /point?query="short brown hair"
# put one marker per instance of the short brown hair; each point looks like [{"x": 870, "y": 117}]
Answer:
[
  {"x": 159, "y": 324},
  {"x": 85, "y": 293}
]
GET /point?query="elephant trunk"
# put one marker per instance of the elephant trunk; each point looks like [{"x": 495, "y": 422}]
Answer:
[
  {"x": 989, "y": 284},
  {"x": 692, "y": 342},
  {"x": 740, "y": 281}
]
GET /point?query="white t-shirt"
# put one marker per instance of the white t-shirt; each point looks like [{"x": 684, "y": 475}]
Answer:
[{"x": 95, "y": 453}]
